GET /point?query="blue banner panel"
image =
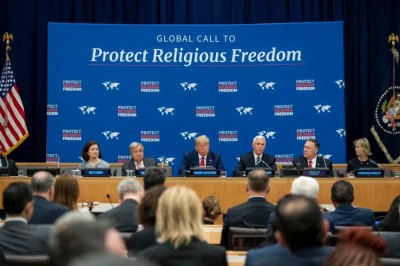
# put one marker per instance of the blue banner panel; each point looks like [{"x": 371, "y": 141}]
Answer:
[{"x": 163, "y": 85}]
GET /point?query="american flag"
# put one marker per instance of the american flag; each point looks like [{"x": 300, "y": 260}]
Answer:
[{"x": 13, "y": 130}]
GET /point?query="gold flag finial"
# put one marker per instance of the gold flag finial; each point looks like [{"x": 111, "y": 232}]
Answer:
[
  {"x": 393, "y": 39},
  {"x": 6, "y": 38}
]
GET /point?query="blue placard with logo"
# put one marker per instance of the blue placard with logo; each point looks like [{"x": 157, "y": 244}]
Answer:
[{"x": 163, "y": 85}]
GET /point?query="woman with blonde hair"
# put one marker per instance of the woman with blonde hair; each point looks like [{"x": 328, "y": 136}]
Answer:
[
  {"x": 363, "y": 160},
  {"x": 179, "y": 227}
]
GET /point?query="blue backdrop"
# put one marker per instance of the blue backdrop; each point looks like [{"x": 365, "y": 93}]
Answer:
[{"x": 162, "y": 85}]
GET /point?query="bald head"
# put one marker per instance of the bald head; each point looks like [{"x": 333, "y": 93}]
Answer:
[{"x": 43, "y": 184}]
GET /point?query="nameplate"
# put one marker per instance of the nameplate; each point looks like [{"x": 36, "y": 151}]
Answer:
[
  {"x": 369, "y": 172},
  {"x": 316, "y": 172},
  {"x": 204, "y": 172},
  {"x": 96, "y": 172},
  {"x": 140, "y": 172}
]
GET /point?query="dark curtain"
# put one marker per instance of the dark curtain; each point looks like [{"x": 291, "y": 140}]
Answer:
[{"x": 367, "y": 24}]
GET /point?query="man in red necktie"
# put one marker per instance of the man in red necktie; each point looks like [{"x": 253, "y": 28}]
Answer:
[
  {"x": 201, "y": 156},
  {"x": 310, "y": 158}
]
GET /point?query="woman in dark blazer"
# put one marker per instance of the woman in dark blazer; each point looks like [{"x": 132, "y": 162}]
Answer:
[{"x": 179, "y": 226}]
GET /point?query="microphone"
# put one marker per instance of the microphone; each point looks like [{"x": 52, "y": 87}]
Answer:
[
  {"x": 262, "y": 161},
  {"x": 372, "y": 161},
  {"x": 298, "y": 168},
  {"x": 7, "y": 165},
  {"x": 109, "y": 199},
  {"x": 4, "y": 171},
  {"x": 323, "y": 158}
]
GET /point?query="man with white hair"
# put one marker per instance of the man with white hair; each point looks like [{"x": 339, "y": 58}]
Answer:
[
  {"x": 306, "y": 186},
  {"x": 137, "y": 160},
  {"x": 303, "y": 185},
  {"x": 255, "y": 158},
  {"x": 130, "y": 194}
]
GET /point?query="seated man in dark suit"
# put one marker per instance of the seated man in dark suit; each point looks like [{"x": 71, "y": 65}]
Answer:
[
  {"x": 345, "y": 214},
  {"x": 253, "y": 213},
  {"x": 16, "y": 236},
  {"x": 130, "y": 194},
  {"x": 301, "y": 232},
  {"x": 138, "y": 160},
  {"x": 201, "y": 156},
  {"x": 45, "y": 210},
  {"x": 310, "y": 158},
  {"x": 7, "y": 166},
  {"x": 255, "y": 158}
]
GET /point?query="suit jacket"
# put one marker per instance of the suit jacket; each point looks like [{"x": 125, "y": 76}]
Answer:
[
  {"x": 123, "y": 216},
  {"x": 321, "y": 163},
  {"x": 130, "y": 165},
  {"x": 141, "y": 240},
  {"x": 278, "y": 255},
  {"x": 46, "y": 212},
  {"x": 197, "y": 253},
  {"x": 12, "y": 167},
  {"x": 191, "y": 159},
  {"x": 252, "y": 214},
  {"x": 19, "y": 238},
  {"x": 248, "y": 160},
  {"x": 346, "y": 215}
]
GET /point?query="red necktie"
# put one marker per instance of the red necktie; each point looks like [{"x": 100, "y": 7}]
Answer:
[
  {"x": 310, "y": 164},
  {"x": 202, "y": 163}
]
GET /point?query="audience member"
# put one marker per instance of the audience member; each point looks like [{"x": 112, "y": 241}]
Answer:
[
  {"x": 357, "y": 247},
  {"x": 310, "y": 158},
  {"x": 345, "y": 214},
  {"x": 391, "y": 222},
  {"x": 301, "y": 232},
  {"x": 45, "y": 210},
  {"x": 137, "y": 160},
  {"x": 153, "y": 176},
  {"x": 200, "y": 157},
  {"x": 130, "y": 194},
  {"x": 255, "y": 158},
  {"x": 303, "y": 185},
  {"x": 147, "y": 218},
  {"x": 81, "y": 238},
  {"x": 66, "y": 191},
  {"x": 363, "y": 151},
  {"x": 255, "y": 212},
  {"x": 16, "y": 236},
  {"x": 92, "y": 157},
  {"x": 179, "y": 227},
  {"x": 211, "y": 209},
  {"x": 9, "y": 166}
]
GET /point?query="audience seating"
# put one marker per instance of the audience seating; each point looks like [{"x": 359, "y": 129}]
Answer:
[
  {"x": 393, "y": 243},
  {"x": 27, "y": 260},
  {"x": 246, "y": 238},
  {"x": 339, "y": 228},
  {"x": 390, "y": 261}
]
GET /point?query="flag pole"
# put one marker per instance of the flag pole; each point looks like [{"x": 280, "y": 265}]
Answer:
[
  {"x": 7, "y": 37},
  {"x": 393, "y": 39},
  {"x": 13, "y": 129}
]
